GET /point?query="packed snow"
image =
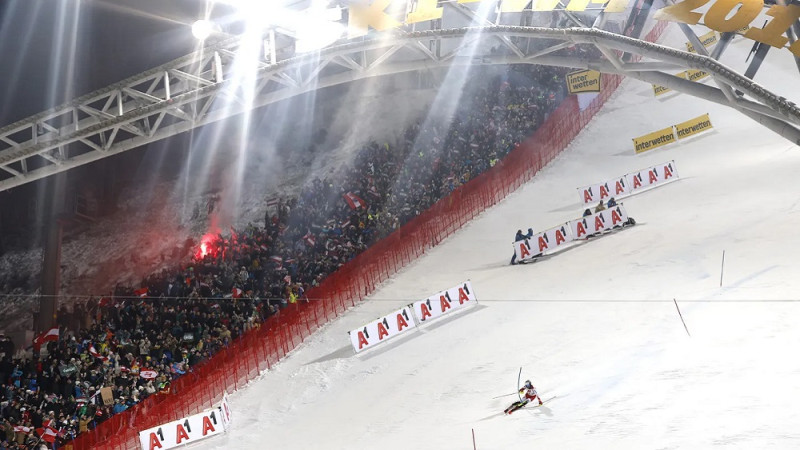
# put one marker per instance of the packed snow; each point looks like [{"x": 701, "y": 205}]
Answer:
[{"x": 596, "y": 325}]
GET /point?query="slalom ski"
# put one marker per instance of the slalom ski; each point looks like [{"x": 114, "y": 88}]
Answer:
[{"x": 527, "y": 405}]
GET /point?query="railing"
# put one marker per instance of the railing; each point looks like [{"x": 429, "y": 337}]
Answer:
[{"x": 259, "y": 349}]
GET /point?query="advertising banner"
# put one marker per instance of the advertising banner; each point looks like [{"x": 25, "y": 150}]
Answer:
[
  {"x": 546, "y": 241},
  {"x": 583, "y": 81},
  {"x": 653, "y": 140},
  {"x": 187, "y": 430},
  {"x": 616, "y": 188},
  {"x": 444, "y": 302},
  {"x": 598, "y": 222},
  {"x": 707, "y": 40},
  {"x": 660, "y": 90},
  {"x": 652, "y": 176},
  {"x": 693, "y": 75},
  {"x": 693, "y": 126},
  {"x": 382, "y": 329},
  {"x": 629, "y": 183}
]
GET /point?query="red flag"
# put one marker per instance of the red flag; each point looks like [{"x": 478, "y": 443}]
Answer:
[
  {"x": 354, "y": 201},
  {"x": 237, "y": 293},
  {"x": 142, "y": 292},
  {"x": 104, "y": 301},
  {"x": 309, "y": 239},
  {"x": 47, "y": 336}
]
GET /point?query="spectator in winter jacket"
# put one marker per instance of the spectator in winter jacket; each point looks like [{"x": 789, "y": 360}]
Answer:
[{"x": 600, "y": 207}]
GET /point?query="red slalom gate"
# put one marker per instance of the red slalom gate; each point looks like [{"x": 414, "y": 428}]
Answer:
[{"x": 258, "y": 349}]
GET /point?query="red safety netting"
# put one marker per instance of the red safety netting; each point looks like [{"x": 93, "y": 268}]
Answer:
[{"x": 260, "y": 348}]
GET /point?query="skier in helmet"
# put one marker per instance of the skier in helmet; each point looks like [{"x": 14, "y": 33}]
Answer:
[{"x": 530, "y": 395}]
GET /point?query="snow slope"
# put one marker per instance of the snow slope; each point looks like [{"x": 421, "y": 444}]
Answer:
[{"x": 596, "y": 325}]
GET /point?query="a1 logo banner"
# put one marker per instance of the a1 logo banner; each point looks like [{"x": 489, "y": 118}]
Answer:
[
  {"x": 546, "y": 241},
  {"x": 444, "y": 302},
  {"x": 629, "y": 183},
  {"x": 598, "y": 222},
  {"x": 651, "y": 176},
  {"x": 617, "y": 187},
  {"x": 382, "y": 329},
  {"x": 182, "y": 432},
  {"x": 225, "y": 412},
  {"x": 526, "y": 249}
]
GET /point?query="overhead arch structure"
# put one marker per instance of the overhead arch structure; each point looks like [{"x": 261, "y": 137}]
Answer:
[{"x": 203, "y": 87}]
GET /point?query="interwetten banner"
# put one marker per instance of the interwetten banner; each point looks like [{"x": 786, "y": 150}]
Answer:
[
  {"x": 653, "y": 140},
  {"x": 693, "y": 126},
  {"x": 707, "y": 40},
  {"x": 583, "y": 81}
]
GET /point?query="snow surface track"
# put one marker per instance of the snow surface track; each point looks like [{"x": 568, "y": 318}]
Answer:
[{"x": 594, "y": 325}]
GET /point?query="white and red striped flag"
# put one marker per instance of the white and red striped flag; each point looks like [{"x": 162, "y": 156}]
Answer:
[
  {"x": 354, "y": 201},
  {"x": 141, "y": 292},
  {"x": 47, "y": 433},
  {"x": 237, "y": 293},
  {"x": 47, "y": 336},
  {"x": 93, "y": 352},
  {"x": 273, "y": 202},
  {"x": 309, "y": 239}
]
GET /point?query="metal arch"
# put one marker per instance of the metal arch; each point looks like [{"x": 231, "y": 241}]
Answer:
[{"x": 182, "y": 94}]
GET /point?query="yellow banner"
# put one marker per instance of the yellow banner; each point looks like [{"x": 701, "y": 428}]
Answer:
[
  {"x": 694, "y": 126},
  {"x": 707, "y": 40},
  {"x": 583, "y": 81},
  {"x": 693, "y": 75},
  {"x": 660, "y": 90},
  {"x": 653, "y": 140}
]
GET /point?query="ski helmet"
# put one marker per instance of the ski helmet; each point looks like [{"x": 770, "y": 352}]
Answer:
[{"x": 528, "y": 383}]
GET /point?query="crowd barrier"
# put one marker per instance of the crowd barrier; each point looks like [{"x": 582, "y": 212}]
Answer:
[{"x": 259, "y": 349}]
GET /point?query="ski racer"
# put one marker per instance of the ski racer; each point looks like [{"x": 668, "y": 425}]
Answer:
[{"x": 530, "y": 395}]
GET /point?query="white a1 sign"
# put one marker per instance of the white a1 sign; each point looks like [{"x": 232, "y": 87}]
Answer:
[{"x": 382, "y": 329}]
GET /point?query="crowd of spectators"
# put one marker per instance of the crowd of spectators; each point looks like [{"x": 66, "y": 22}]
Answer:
[{"x": 114, "y": 351}]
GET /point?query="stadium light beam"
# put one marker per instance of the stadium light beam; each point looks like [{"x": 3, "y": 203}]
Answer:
[{"x": 202, "y": 29}]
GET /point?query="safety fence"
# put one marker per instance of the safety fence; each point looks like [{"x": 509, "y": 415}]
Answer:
[{"x": 260, "y": 348}]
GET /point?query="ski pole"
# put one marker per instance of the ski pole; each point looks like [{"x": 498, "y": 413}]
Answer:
[{"x": 506, "y": 395}]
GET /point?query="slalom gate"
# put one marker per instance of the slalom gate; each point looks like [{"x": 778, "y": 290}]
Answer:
[{"x": 260, "y": 348}]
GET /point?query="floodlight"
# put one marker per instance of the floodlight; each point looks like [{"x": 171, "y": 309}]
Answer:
[{"x": 202, "y": 29}]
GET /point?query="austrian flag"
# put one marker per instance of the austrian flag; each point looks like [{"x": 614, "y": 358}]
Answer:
[
  {"x": 354, "y": 201},
  {"x": 309, "y": 239},
  {"x": 47, "y": 336},
  {"x": 93, "y": 352},
  {"x": 47, "y": 433}
]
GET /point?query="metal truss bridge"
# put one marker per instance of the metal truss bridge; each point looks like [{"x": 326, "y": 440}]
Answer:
[{"x": 202, "y": 88}]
